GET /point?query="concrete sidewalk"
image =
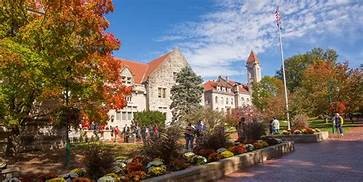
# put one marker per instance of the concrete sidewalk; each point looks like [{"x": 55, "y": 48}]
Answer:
[{"x": 338, "y": 159}]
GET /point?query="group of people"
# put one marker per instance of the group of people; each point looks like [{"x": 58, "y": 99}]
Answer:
[
  {"x": 193, "y": 132},
  {"x": 134, "y": 132}
]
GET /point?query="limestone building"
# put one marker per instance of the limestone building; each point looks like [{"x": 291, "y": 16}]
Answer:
[
  {"x": 224, "y": 94},
  {"x": 151, "y": 84}
]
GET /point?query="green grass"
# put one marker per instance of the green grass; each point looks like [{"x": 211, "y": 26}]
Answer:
[{"x": 322, "y": 125}]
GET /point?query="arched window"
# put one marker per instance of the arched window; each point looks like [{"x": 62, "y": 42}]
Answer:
[{"x": 216, "y": 99}]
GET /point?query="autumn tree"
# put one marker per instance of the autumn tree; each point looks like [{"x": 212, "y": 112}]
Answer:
[
  {"x": 327, "y": 86},
  {"x": 296, "y": 65},
  {"x": 268, "y": 97},
  {"x": 186, "y": 94},
  {"x": 56, "y": 62}
]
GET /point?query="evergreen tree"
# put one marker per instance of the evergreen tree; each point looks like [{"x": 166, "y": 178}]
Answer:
[{"x": 186, "y": 94}]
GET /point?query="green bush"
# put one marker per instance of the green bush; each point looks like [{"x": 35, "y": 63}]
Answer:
[{"x": 149, "y": 118}]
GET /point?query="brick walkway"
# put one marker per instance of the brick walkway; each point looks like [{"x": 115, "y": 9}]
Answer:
[{"x": 338, "y": 159}]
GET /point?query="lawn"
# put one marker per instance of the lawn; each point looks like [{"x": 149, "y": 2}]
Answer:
[{"x": 322, "y": 125}]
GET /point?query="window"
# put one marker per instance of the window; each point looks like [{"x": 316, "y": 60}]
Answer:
[
  {"x": 218, "y": 88},
  {"x": 123, "y": 78},
  {"x": 232, "y": 101},
  {"x": 128, "y": 98},
  {"x": 129, "y": 116},
  {"x": 164, "y": 92},
  {"x": 223, "y": 89},
  {"x": 216, "y": 100},
  {"x": 124, "y": 116},
  {"x": 222, "y": 101},
  {"x": 159, "y": 92},
  {"x": 118, "y": 115},
  {"x": 227, "y": 101},
  {"x": 222, "y": 109},
  {"x": 248, "y": 99},
  {"x": 128, "y": 80},
  {"x": 243, "y": 99}
]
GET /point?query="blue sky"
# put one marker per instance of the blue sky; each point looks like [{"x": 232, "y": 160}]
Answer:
[{"x": 216, "y": 36}]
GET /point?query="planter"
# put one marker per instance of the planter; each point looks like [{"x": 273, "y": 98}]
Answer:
[
  {"x": 216, "y": 170},
  {"x": 305, "y": 138}
]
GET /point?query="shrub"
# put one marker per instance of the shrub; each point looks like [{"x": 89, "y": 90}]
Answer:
[
  {"x": 307, "y": 131},
  {"x": 98, "y": 161},
  {"x": 239, "y": 149},
  {"x": 157, "y": 170},
  {"x": 297, "y": 132},
  {"x": 178, "y": 164},
  {"x": 300, "y": 121},
  {"x": 165, "y": 146},
  {"x": 227, "y": 154},
  {"x": 205, "y": 152},
  {"x": 137, "y": 164},
  {"x": 214, "y": 139},
  {"x": 214, "y": 157},
  {"x": 285, "y": 132},
  {"x": 249, "y": 147},
  {"x": 135, "y": 176},
  {"x": 317, "y": 130},
  {"x": 199, "y": 160},
  {"x": 250, "y": 131}
]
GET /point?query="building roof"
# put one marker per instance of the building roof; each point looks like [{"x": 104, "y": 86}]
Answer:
[
  {"x": 222, "y": 82},
  {"x": 252, "y": 58},
  {"x": 141, "y": 71}
]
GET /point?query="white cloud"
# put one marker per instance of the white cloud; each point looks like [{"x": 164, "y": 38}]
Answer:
[{"x": 220, "y": 39}]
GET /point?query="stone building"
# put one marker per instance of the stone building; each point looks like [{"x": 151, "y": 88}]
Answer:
[
  {"x": 224, "y": 94},
  {"x": 151, "y": 83}
]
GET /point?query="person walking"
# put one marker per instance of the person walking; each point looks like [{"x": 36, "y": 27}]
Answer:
[
  {"x": 275, "y": 126},
  {"x": 338, "y": 123},
  {"x": 125, "y": 132},
  {"x": 189, "y": 137},
  {"x": 116, "y": 132}
]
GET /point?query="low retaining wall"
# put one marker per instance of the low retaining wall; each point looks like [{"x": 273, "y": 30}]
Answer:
[
  {"x": 305, "y": 138},
  {"x": 216, "y": 170}
]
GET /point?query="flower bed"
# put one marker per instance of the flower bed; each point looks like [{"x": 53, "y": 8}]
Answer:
[
  {"x": 216, "y": 170},
  {"x": 304, "y": 136},
  {"x": 140, "y": 168}
]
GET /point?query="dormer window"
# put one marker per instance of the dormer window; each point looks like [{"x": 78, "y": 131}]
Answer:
[
  {"x": 218, "y": 88},
  {"x": 223, "y": 89}
]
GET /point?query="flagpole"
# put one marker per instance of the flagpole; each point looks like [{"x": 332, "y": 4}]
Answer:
[{"x": 283, "y": 72}]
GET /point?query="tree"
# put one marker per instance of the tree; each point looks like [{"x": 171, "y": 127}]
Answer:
[
  {"x": 150, "y": 118},
  {"x": 186, "y": 94},
  {"x": 247, "y": 122},
  {"x": 268, "y": 97},
  {"x": 296, "y": 65},
  {"x": 56, "y": 62}
]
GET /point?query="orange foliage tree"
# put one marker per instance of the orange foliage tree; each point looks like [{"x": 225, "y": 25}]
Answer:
[{"x": 56, "y": 58}]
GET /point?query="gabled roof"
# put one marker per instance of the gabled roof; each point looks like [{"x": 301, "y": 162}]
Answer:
[
  {"x": 252, "y": 58},
  {"x": 141, "y": 71},
  {"x": 212, "y": 84},
  {"x": 137, "y": 69}
]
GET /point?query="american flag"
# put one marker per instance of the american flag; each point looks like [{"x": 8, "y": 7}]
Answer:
[{"x": 278, "y": 18}]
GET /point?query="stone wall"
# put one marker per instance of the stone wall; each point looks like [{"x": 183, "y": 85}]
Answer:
[
  {"x": 164, "y": 77},
  {"x": 216, "y": 170},
  {"x": 306, "y": 138}
]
